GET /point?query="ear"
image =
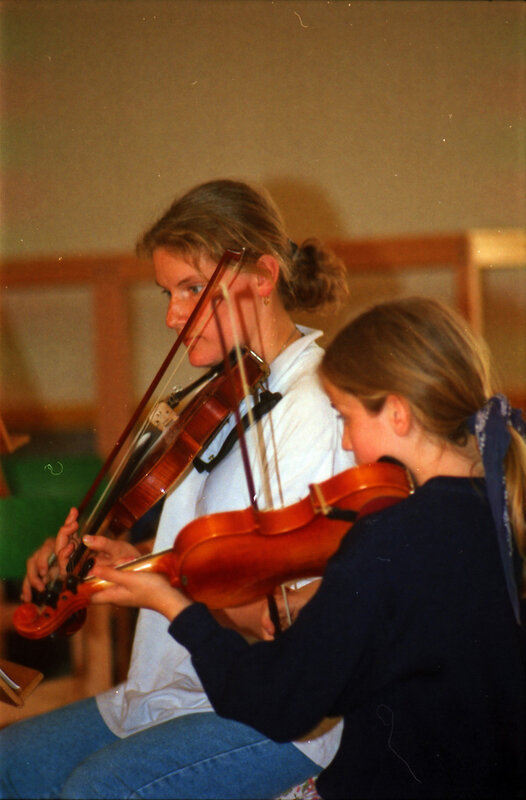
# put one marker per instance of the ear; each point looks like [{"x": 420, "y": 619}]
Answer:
[
  {"x": 399, "y": 414},
  {"x": 267, "y": 275}
]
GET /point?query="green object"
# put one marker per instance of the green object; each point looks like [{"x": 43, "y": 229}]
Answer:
[
  {"x": 42, "y": 492},
  {"x": 67, "y": 477},
  {"x": 24, "y": 525}
]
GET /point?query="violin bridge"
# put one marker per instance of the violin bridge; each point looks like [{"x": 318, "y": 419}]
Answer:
[
  {"x": 324, "y": 506},
  {"x": 163, "y": 416}
]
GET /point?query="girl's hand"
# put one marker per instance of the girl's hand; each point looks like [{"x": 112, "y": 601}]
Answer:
[
  {"x": 111, "y": 551},
  {"x": 296, "y": 599},
  {"x": 38, "y": 567},
  {"x": 140, "y": 590}
]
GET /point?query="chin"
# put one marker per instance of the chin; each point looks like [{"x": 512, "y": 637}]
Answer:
[{"x": 199, "y": 357}]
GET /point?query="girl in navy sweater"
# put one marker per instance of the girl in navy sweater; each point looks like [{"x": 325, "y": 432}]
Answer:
[{"x": 415, "y": 636}]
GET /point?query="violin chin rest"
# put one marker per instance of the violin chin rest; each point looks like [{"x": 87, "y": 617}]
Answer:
[{"x": 377, "y": 504}]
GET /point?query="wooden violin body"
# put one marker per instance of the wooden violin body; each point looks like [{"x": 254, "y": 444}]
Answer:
[
  {"x": 185, "y": 435},
  {"x": 232, "y": 558}
]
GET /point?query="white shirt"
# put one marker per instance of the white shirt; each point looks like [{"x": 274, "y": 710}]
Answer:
[{"x": 302, "y": 445}]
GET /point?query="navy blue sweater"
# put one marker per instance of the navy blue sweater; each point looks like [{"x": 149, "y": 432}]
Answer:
[{"x": 411, "y": 638}]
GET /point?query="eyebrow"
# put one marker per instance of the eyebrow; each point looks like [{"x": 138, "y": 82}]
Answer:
[{"x": 185, "y": 281}]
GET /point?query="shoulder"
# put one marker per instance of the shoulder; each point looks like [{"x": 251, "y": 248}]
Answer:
[
  {"x": 299, "y": 362},
  {"x": 298, "y": 375},
  {"x": 447, "y": 517},
  {"x": 460, "y": 502},
  {"x": 439, "y": 499},
  {"x": 305, "y": 404}
]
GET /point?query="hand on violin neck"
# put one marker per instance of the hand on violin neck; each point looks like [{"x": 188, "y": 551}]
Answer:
[
  {"x": 140, "y": 590},
  {"x": 111, "y": 552},
  {"x": 51, "y": 558},
  {"x": 37, "y": 569}
]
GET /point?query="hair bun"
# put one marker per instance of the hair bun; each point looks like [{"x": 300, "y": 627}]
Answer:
[{"x": 317, "y": 278}]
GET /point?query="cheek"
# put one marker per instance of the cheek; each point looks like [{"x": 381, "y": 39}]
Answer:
[
  {"x": 216, "y": 329},
  {"x": 362, "y": 442},
  {"x": 346, "y": 438},
  {"x": 204, "y": 353}
]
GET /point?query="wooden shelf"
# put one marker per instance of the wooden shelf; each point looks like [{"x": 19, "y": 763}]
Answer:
[
  {"x": 111, "y": 276},
  {"x": 468, "y": 254}
]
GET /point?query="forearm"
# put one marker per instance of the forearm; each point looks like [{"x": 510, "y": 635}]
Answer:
[
  {"x": 238, "y": 685},
  {"x": 265, "y": 684},
  {"x": 245, "y": 619},
  {"x": 254, "y": 619}
]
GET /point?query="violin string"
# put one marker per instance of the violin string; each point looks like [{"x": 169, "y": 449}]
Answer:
[
  {"x": 264, "y": 465},
  {"x": 260, "y": 449},
  {"x": 271, "y": 424},
  {"x": 276, "y": 462},
  {"x": 244, "y": 381},
  {"x": 237, "y": 347}
]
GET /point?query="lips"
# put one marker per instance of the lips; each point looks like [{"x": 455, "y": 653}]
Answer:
[{"x": 191, "y": 341}]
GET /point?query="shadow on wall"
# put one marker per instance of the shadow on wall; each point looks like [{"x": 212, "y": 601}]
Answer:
[
  {"x": 308, "y": 211},
  {"x": 306, "y": 208}
]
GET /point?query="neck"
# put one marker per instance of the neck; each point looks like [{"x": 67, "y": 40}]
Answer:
[
  {"x": 276, "y": 331},
  {"x": 430, "y": 459},
  {"x": 294, "y": 335}
]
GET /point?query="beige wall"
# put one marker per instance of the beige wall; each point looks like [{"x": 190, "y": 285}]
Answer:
[{"x": 363, "y": 119}]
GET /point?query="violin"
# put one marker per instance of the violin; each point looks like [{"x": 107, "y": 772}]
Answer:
[
  {"x": 167, "y": 447},
  {"x": 231, "y": 558},
  {"x": 144, "y": 454},
  {"x": 177, "y": 429}
]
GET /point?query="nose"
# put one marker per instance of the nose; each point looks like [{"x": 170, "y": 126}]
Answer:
[{"x": 175, "y": 317}]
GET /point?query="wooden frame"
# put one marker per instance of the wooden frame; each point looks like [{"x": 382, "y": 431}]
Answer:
[
  {"x": 110, "y": 276},
  {"x": 469, "y": 254}
]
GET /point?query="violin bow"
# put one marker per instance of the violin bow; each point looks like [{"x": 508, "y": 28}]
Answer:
[
  {"x": 272, "y": 605},
  {"x": 226, "y": 259}
]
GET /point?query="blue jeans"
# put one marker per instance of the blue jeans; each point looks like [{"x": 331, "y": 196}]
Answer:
[{"x": 71, "y": 753}]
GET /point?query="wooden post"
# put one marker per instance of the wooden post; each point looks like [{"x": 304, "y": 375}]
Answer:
[
  {"x": 113, "y": 360},
  {"x": 8, "y": 444}
]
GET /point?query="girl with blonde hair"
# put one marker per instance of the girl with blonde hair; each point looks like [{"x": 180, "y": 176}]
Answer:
[
  {"x": 156, "y": 735},
  {"x": 416, "y": 634}
]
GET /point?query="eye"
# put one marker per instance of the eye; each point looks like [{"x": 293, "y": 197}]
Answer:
[
  {"x": 196, "y": 289},
  {"x": 190, "y": 291}
]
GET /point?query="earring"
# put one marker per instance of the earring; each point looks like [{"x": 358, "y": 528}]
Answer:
[{"x": 266, "y": 299}]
